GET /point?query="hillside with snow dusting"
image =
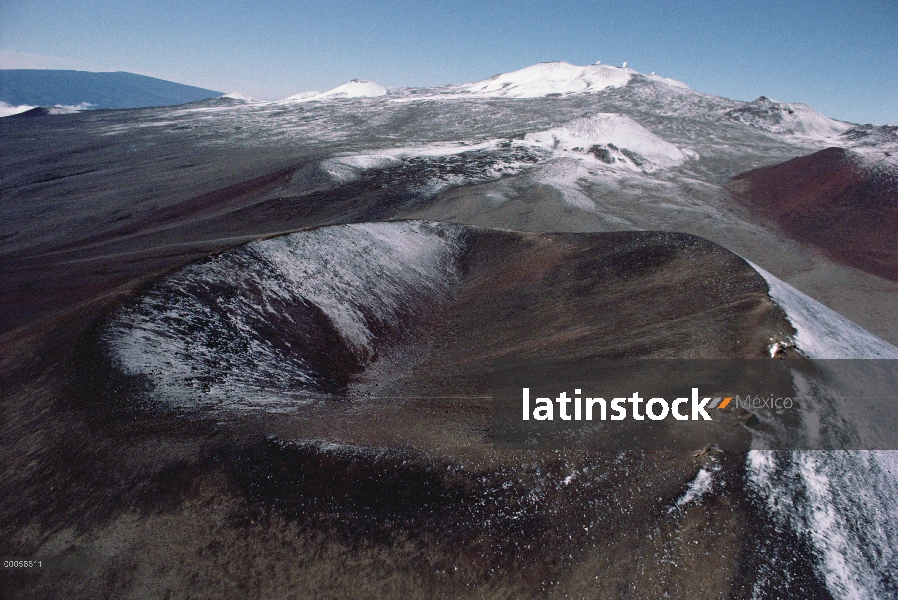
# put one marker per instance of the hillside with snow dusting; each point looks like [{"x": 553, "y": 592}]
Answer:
[
  {"x": 610, "y": 138},
  {"x": 544, "y": 79},
  {"x": 246, "y": 337},
  {"x": 793, "y": 118}
]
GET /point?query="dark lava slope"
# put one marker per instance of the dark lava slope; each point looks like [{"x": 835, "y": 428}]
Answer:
[
  {"x": 367, "y": 471},
  {"x": 834, "y": 200}
]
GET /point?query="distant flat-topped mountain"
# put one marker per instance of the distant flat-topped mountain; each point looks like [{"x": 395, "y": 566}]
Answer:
[{"x": 44, "y": 87}]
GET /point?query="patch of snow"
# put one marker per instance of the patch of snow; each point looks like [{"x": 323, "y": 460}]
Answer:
[
  {"x": 61, "y": 109},
  {"x": 242, "y": 98},
  {"x": 440, "y": 149},
  {"x": 844, "y": 504},
  {"x": 701, "y": 485},
  {"x": 357, "y": 89},
  {"x": 821, "y": 331},
  {"x": 344, "y": 169},
  {"x": 564, "y": 175},
  {"x": 613, "y": 135},
  {"x": 7, "y": 110},
  {"x": 351, "y": 271}
]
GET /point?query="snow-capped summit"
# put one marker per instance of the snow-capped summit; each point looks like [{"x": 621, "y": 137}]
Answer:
[
  {"x": 547, "y": 78},
  {"x": 357, "y": 88},
  {"x": 543, "y": 79},
  {"x": 790, "y": 118},
  {"x": 611, "y": 138}
]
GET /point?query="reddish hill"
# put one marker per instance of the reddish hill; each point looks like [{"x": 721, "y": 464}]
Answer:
[{"x": 832, "y": 199}]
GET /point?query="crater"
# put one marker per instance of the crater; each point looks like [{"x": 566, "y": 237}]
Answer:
[
  {"x": 351, "y": 366},
  {"x": 384, "y": 334}
]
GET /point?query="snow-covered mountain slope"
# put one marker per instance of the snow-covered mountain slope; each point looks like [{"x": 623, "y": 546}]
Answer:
[
  {"x": 877, "y": 144},
  {"x": 545, "y": 79},
  {"x": 612, "y": 139},
  {"x": 789, "y": 118},
  {"x": 285, "y": 318},
  {"x": 666, "y": 81},
  {"x": 356, "y": 88},
  {"x": 302, "y": 96}
]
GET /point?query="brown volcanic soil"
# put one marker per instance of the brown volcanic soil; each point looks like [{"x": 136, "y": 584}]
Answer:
[
  {"x": 563, "y": 296},
  {"x": 832, "y": 200},
  {"x": 412, "y": 501}
]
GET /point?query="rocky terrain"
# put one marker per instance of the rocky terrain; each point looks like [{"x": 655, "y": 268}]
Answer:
[{"x": 248, "y": 345}]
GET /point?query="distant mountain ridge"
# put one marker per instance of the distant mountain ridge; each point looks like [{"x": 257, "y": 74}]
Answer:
[{"x": 47, "y": 87}]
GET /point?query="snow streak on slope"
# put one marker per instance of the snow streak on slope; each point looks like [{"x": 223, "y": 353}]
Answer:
[
  {"x": 543, "y": 79},
  {"x": 844, "y": 503},
  {"x": 821, "y": 331},
  {"x": 282, "y": 320}
]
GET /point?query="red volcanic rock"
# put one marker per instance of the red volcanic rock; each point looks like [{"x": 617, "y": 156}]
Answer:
[{"x": 834, "y": 200}]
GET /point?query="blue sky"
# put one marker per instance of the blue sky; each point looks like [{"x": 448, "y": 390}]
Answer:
[{"x": 839, "y": 57}]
